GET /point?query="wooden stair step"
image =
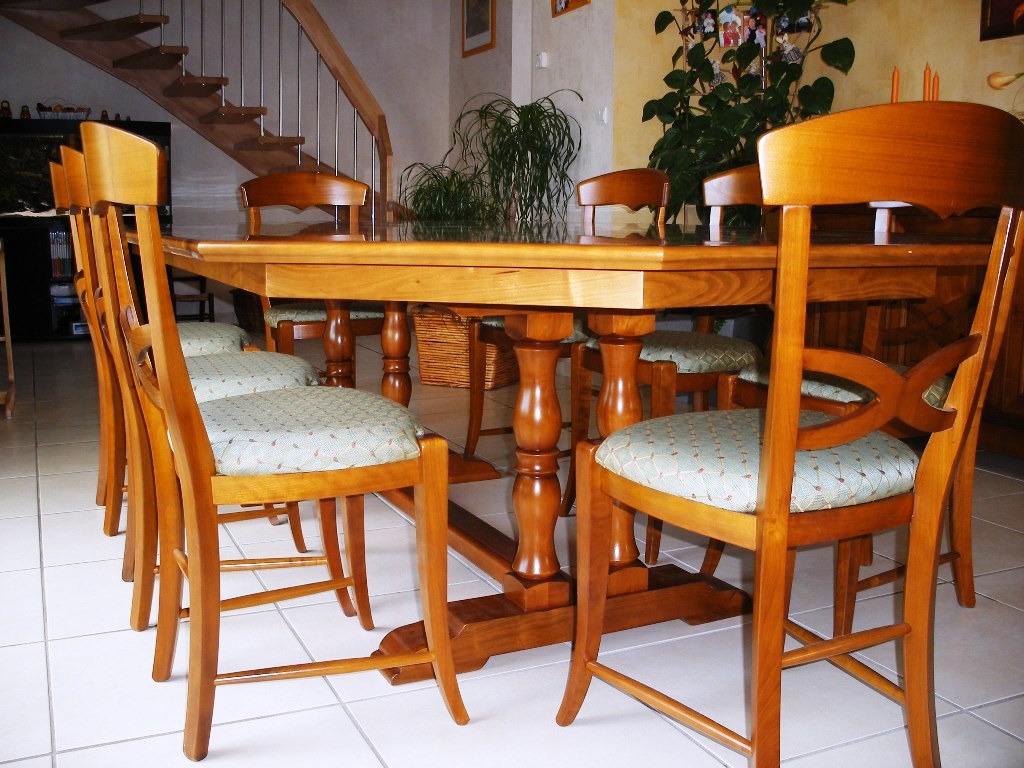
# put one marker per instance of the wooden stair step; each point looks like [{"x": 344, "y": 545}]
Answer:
[
  {"x": 157, "y": 57},
  {"x": 195, "y": 86},
  {"x": 267, "y": 141},
  {"x": 232, "y": 114},
  {"x": 117, "y": 29}
]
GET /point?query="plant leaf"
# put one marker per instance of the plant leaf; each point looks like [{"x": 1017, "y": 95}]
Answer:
[
  {"x": 662, "y": 21},
  {"x": 816, "y": 98},
  {"x": 839, "y": 54}
]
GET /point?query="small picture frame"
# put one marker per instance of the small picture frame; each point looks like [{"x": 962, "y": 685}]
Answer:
[
  {"x": 558, "y": 7},
  {"x": 1001, "y": 18},
  {"x": 730, "y": 27},
  {"x": 477, "y": 26}
]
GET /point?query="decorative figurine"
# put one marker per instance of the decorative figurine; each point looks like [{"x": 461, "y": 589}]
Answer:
[
  {"x": 25, "y": 113},
  {"x": 5, "y": 110}
]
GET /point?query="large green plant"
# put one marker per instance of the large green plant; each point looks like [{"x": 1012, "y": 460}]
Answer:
[
  {"x": 717, "y": 106},
  {"x": 507, "y": 161}
]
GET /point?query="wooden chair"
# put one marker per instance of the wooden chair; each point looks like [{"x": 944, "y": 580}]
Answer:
[
  {"x": 375, "y": 445},
  {"x": 671, "y": 362},
  {"x": 829, "y": 394},
  {"x": 285, "y": 323},
  {"x": 786, "y": 500},
  {"x": 634, "y": 188},
  {"x": 108, "y": 277},
  {"x": 110, "y": 481}
]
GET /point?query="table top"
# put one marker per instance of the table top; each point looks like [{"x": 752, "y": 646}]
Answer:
[{"x": 621, "y": 267}]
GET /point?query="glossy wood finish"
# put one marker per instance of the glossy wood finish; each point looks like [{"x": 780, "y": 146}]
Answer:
[
  {"x": 879, "y": 153},
  {"x": 620, "y": 278},
  {"x": 302, "y": 191},
  {"x": 110, "y": 485},
  {"x": 126, "y": 170}
]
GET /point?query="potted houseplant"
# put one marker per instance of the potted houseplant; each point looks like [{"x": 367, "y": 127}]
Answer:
[
  {"x": 730, "y": 84},
  {"x": 507, "y": 162}
]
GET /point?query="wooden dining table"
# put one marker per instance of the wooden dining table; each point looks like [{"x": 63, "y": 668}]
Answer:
[{"x": 538, "y": 278}]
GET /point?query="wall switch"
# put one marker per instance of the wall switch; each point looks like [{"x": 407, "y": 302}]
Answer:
[{"x": 542, "y": 60}]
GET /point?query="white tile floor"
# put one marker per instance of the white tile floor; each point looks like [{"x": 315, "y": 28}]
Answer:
[{"x": 75, "y": 681}]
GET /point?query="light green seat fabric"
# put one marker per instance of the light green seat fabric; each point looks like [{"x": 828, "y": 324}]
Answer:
[
  {"x": 308, "y": 429},
  {"x": 834, "y": 389},
  {"x": 240, "y": 373},
  {"x": 315, "y": 312},
  {"x": 712, "y": 457},
  {"x": 579, "y": 329},
  {"x": 697, "y": 352},
  {"x": 211, "y": 338}
]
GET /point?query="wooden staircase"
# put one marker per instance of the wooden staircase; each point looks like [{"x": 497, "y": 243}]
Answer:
[{"x": 122, "y": 46}]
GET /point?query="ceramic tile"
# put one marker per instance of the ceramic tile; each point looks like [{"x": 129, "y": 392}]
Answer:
[
  {"x": 989, "y": 484},
  {"x": 298, "y": 738},
  {"x": 17, "y": 462},
  {"x": 115, "y": 668},
  {"x": 960, "y": 746},
  {"x": 24, "y": 707},
  {"x": 19, "y": 496},
  {"x": 77, "y": 537},
  {"x": 35, "y": 762},
  {"x": 68, "y": 492},
  {"x": 1007, "y": 715},
  {"x": 1000, "y": 464},
  {"x": 1007, "y": 511},
  {"x": 73, "y": 433},
  {"x": 67, "y": 457},
  {"x": 19, "y": 543},
  {"x": 1004, "y": 586},
  {"x": 526, "y": 702},
  {"x": 19, "y": 431},
  {"x": 21, "y": 602}
]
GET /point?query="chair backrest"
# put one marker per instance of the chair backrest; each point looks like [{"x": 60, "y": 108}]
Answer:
[
  {"x": 945, "y": 157},
  {"x": 301, "y": 191},
  {"x": 633, "y": 188},
  {"x": 737, "y": 186},
  {"x": 125, "y": 169}
]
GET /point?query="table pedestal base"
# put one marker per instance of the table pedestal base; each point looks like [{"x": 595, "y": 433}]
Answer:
[{"x": 482, "y": 627}]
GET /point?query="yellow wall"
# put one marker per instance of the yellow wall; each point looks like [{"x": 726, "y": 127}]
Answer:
[{"x": 941, "y": 33}]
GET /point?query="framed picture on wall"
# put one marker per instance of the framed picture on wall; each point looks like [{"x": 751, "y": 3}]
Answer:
[
  {"x": 558, "y": 7},
  {"x": 1001, "y": 18},
  {"x": 477, "y": 26}
]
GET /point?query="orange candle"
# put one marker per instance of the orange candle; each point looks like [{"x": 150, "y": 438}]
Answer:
[
  {"x": 935, "y": 87},
  {"x": 927, "y": 92},
  {"x": 895, "y": 85}
]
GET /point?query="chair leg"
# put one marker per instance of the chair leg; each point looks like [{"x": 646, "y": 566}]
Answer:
[
  {"x": 114, "y": 482},
  {"x": 431, "y": 510},
  {"x": 143, "y": 516},
  {"x": 771, "y": 565},
  {"x": 960, "y": 523},
  {"x": 581, "y": 382},
  {"x": 353, "y": 522},
  {"x": 170, "y": 578},
  {"x": 204, "y": 635},
  {"x": 477, "y": 375},
  {"x": 328, "y": 516},
  {"x": 284, "y": 338},
  {"x": 593, "y": 537},
  {"x": 663, "y": 403},
  {"x": 918, "y": 644},
  {"x": 845, "y": 586},
  {"x": 712, "y": 557},
  {"x": 294, "y": 523}
]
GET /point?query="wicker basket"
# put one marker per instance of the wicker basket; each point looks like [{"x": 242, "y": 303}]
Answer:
[{"x": 442, "y": 341}]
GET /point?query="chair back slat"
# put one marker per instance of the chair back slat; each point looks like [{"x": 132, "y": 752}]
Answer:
[
  {"x": 633, "y": 188},
  {"x": 300, "y": 190}
]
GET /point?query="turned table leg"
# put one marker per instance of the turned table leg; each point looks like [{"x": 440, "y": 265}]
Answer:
[
  {"x": 339, "y": 344},
  {"x": 396, "y": 341}
]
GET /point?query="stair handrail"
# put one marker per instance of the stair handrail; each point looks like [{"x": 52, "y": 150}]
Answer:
[{"x": 353, "y": 86}]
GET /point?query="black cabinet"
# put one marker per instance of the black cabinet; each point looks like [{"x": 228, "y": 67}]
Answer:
[{"x": 40, "y": 259}]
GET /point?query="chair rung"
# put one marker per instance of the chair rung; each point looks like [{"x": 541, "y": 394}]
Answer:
[
  {"x": 672, "y": 708},
  {"x": 889, "y": 576},
  {"x": 283, "y": 593},
  {"x": 848, "y": 664},
  {"x": 320, "y": 668},
  {"x": 267, "y": 563},
  {"x": 845, "y": 644}
]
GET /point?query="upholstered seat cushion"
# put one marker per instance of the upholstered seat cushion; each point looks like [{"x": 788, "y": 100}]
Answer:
[
  {"x": 712, "y": 457},
  {"x": 579, "y": 329},
  {"x": 824, "y": 386},
  {"x": 697, "y": 352},
  {"x": 315, "y": 312},
  {"x": 211, "y": 338},
  {"x": 239, "y": 373},
  {"x": 308, "y": 429}
]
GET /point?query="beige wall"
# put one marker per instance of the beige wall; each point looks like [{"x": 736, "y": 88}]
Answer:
[{"x": 939, "y": 33}]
